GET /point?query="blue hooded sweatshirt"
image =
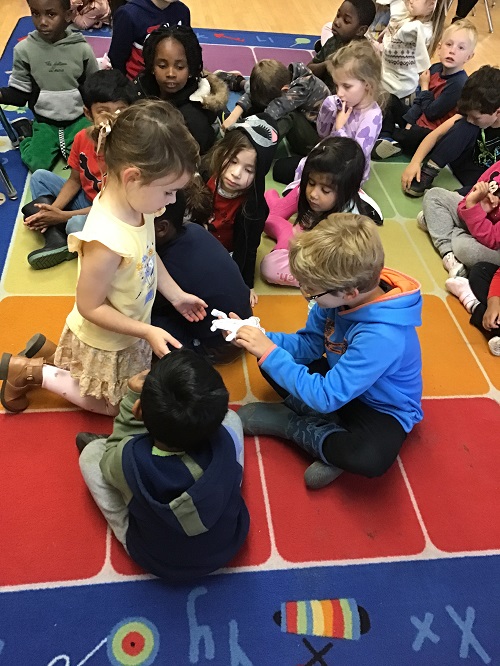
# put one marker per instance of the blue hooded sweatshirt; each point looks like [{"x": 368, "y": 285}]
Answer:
[{"x": 373, "y": 352}]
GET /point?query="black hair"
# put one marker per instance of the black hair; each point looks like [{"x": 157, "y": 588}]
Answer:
[
  {"x": 481, "y": 92},
  {"x": 185, "y": 36},
  {"x": 174, "y": 212},
  {"x": 365, "y": 10},
  {"x": 344, "y": 162},
  {"x": 183, "y": 400},
  {"x": 107, "y": 85},
  {"x": 65, "y": 5}
]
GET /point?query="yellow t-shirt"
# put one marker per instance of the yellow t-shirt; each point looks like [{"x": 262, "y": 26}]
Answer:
[{"x": 133, "y": 287}]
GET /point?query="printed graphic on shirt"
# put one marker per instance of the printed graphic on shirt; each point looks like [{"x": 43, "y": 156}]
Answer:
[
  {"x": 146, "y": 270},
  {"x": 334, "y": 347}
]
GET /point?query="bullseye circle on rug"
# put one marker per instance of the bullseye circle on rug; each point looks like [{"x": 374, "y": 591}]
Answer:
[{"x": 134, "y": 641}]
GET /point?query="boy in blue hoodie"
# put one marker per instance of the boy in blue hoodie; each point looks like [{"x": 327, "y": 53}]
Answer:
[
  {"x": 352, "y": 409},
  {"x": 168, "y": 479}
]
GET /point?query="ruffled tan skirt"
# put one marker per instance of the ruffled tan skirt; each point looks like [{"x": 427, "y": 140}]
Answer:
[{"x": 102, "y": 374}]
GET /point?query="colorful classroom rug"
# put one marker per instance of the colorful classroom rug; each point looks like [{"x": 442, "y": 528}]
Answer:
[{"x": 397, "y": 571}]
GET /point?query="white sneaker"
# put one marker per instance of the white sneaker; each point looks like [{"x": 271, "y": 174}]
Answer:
[
  {"x": 460, "y": 287},
  {"x": 494, "y": 345},
  {"x": 453, "y": 266},
  {"x": 421, "y": 223}
]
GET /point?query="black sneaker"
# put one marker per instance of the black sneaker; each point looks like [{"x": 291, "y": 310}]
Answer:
[
  {"x": 54, "y": 252},
  {"x": 23, "y": 127},
  {"x": 233, "y": 80},
  {"x": 84, "y": 438},
  {"x": 427, "y": 175}
]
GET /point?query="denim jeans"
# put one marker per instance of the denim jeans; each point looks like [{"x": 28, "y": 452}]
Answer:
[{"x": 45, "y": 182}]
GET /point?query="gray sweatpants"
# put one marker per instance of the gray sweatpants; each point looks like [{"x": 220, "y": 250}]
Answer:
[
  {"x": 110, "y": 500},
  {"x": 449, "y": 232}
]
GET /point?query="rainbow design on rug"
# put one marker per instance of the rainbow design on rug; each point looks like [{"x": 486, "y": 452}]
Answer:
[{"x": 332, "y": 618}]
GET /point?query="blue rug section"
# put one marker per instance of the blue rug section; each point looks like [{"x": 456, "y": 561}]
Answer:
[{"x": 416, "y": 617}]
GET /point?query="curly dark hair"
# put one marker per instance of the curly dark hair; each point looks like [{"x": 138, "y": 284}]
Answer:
[
  {"x": 481, "y": 92},
  {"x": 185, "y": 36}
]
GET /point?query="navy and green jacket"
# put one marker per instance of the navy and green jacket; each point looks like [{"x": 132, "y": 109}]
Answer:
[{"x": 187, "y": 517}]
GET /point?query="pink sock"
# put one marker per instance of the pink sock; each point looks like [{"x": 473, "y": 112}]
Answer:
[
  {"x": 62, "y": 383},
  {"x": 280, "y": 229},
  {"x": 283, "y": 206}
]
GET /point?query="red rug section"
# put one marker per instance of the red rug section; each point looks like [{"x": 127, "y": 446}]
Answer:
[
  {"x": 448, "y": 459},
  {"x": 449, "y": 462}
]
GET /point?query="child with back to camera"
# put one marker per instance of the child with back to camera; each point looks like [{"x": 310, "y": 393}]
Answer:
[
  {"x": 352, "y": 409},
  {"x": 168, "y": 479},
  {"x": 107, "y": 91},
  {"x": 51, "y": 91},
  {"x": 292, "y": 96},
  {"x": 353, "y": 19},
  {"x": 235, "y": 171},
  {"x": 436, "y": 99},
  {"x": 329, "y": 183},
  {"x": 173, "y": 71},
  {"x": 108, "y": 337}
]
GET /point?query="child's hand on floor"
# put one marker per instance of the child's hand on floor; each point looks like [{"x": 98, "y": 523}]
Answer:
[
  {"x": 253, "y": 340},
  {"x": 48, "y": 216},
  {"x": 254, "y": 299}
]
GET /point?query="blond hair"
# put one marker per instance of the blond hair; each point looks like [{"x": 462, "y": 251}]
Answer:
[
  {"x": 342, "y": 253},
  {"x": 150, "y": 135},
  {"x": 462, "y": 24},
  {"x": 266, "y": 82},
  {"x": 359, "y": 59}
]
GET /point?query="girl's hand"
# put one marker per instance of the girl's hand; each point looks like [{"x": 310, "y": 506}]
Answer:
[
  {"x": 491, "y": 318},
  {"x": 412, "y": 171},
  {"x": 477, "y": 194},
  {"x": 48, "y": 216},
  {"x": 490, "y": 203},
  {"x": 253, "y": 340},
  {"x": 342, "y": 116},
  {"x": 158, "y": 339},
  {"x": 190, "y": 306},
  {"x": 254, "y": 299}
]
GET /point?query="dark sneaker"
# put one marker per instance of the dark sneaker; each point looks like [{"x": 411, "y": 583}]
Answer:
[
  {"x": 54, "y": 252},
  {"x": 233, "y": 80},
  {"x": 427, "y": 175},
  {"x": 23, "y": 127},
  {"x": 84, "y": 438}
]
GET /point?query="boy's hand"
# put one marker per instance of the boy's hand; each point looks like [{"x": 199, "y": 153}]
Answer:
[
  {"x": 48, "y": 216},
  {"x": 158, "y": 339},
  {"x": 424, "y": 80},
  {"x": 491, "y": 318},
  {"x": 136, "y": 382},
  {"x": 254, "y": 299},
  {"x": 190, "y": 306},
  {"x": 253, "y": 340},
  {"x": 412, "y": 171},
  {"x": 342, "y": 116},
  {"x": 478, "y": 193}
]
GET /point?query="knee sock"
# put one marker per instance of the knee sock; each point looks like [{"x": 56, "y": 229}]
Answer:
[
  {"x": 280, "y": 229},
  {"x": 62, "y": 383}
]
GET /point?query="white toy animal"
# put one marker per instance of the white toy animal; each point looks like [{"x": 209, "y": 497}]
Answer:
[{"x": 224, "y": 323}]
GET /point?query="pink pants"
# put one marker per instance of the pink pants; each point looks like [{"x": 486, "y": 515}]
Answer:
[{"x": 275, "y": 268}]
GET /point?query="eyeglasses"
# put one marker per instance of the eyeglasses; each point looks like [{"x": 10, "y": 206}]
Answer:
[{"x": 310, "y": 298}]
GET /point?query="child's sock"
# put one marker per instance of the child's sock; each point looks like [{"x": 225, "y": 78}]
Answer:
[
  {"x": 494, "y": 345},
  {"x": 460, "y": 287},
  {"x": 319, "y": 474},
  {"x": 283, "y": 206},
  {"x": 62, "y": 383},
  {"x": 280, "y": 229},
  {"x": 453, "y": 266}
]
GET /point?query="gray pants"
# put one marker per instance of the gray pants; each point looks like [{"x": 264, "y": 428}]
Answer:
[
  {"x": 449, "y": 232},
  {"x": 110, "y": 500}
]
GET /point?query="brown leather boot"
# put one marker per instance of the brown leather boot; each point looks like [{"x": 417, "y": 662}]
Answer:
[
  {"x": 20, "y": 375},
  {"x": 39, "y": 347}
]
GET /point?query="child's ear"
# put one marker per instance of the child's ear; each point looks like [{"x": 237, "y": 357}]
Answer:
[
  {"x": 131, "y": 175},
  {"x": 361, "y": 31},
  {"x": 88, "y": 114},
  {"x": 162, "y": 228},
  {"x": 351, "y": 294},
  {"x": 137, "y": 410},
  {"x": 69, "y": 15},
  {"x": 285, "y": 88}
]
